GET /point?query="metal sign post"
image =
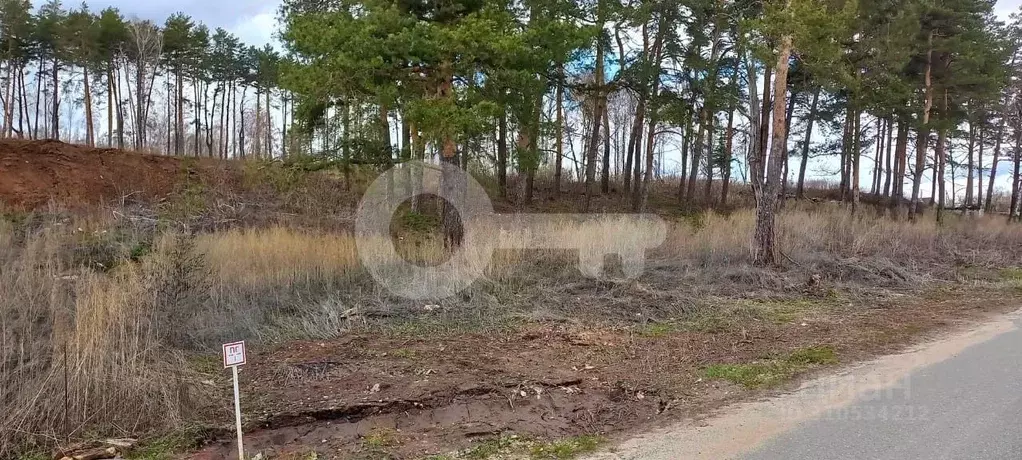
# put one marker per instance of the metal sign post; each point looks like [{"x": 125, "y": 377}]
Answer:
[{"x": 234, "y": 356}]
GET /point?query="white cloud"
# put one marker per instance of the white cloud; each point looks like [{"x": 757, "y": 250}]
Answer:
[
  {"x": 258, "y": 29},
  {"x": 253, "y": 21}
]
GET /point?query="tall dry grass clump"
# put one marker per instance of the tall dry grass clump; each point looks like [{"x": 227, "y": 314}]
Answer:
[
  {"x": 278, "y": 255},
  {"x": 84, "y": 351}
]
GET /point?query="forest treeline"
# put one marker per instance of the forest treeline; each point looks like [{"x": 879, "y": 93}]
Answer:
[
  {"x": 745, "y": 85},
  {"x": 176, "y": 88},
  {"x": 608, "y": 94}
]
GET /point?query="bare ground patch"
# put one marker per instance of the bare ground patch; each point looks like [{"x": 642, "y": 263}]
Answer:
[{"x": 394, "y": 395}]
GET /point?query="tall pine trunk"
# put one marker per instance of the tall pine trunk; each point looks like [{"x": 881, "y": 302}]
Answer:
[
  {"x": 221, "y": 143},
  {"x": 258, "y": 124},
  {"x": 889, "y": 171},
  {"x": 699, "y": 147},
  {"x": 90, "y": 138},
  {"x": 634, "y": 149},
  {"x": 179, "y": 130},
  {"x": 846, "y": 148},
  {"x": 686, "y": 148},
  {"x": 635, "y": 144},
  {"x": 284, "y": 107},
  {"x": 856, "y": 158},
  {"x": 725, "y": 174},
  {"x": 938, "y": 173},
  {"x": 346, "y": 151},
  {"x": 641, "y": 197},
  {"x": 933, "y": 182},
  {"x": 406, "y": 155},
  {"x": 924, "y": 134},
  {"x": 764, "y": 126},
  {"x": 140, "y": 118},
  {"x": 594, "y": 140},
  {"x": 878, "y": 159},
  {"x": 118, "y": 108},
  {"x": 196, "y": 113},
  {"x": 971, "y": 165},
  {"x": 897, "y": 203},
  {"x": 752, "y": 149},
  {"x": 109, "y": 106},
  {"x": 269, "y": 125},
  {"x": 502, "y": 154},
  {"x": 234, "y": 119},
  {"x": 800, "y": 187},
  {"x": 419, "y": 153},
  {"x": 605, "y": 178},
  {"x": 1016, "y": 176},
  {"x": 708, "y": 186},
  {"x": 8, "y": 122},
  {"x": 559, "y": 141},
  {"x": 241, "y": 118},
  {"x": 450, "y": 181},
  {"x": 647, "y": 176},
  {"x": 24, "y": 123},
  {"x": 766, "y": 199},
  {"x": 170, "y": 117},
  {"x": 979, "y": 169},
  {"x": 989, "y": 206},
  {"x": 56, "y": 100},
  {"x": 787, "y": 133},
  {"x": 38, "y": 98},
  {"x": 209, "y": 113}
]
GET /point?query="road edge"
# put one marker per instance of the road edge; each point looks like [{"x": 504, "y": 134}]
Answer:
[{"x": 740, "y": 428}]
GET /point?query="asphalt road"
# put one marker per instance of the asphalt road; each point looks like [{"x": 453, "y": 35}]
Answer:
[
  {"x": 956, "y": 397},
  {"x": 966, "y": 407}
]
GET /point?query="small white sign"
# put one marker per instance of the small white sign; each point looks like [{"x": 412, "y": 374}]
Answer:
[{"x": 234, "y": 354}]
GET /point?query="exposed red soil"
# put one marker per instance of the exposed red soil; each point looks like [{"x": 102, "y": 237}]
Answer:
[
  {"x": 35, "y": 173},
  {"x": 425, "y": 395}
]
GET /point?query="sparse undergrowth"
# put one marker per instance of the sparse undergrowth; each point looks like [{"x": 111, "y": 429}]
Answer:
[
  {"x": 1012, "y": 274},
  {"x": 513, "y": 447},
  {"x": 130, "y": 310},
  {"x": 773, "y": 371}
]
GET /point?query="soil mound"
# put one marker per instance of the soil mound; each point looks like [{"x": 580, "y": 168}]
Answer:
[{"x": 34, "y": 173}]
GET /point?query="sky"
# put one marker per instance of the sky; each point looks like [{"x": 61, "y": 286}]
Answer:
[
  {"x": 1006, "y": 7},
  {"x": 253, "y": 21}
]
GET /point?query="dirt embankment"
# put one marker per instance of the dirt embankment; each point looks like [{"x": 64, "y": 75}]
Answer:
[{"x": 35, "y": 173}]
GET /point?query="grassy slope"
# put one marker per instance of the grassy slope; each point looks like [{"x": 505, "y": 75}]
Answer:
[{"x": 137, "y": 300}]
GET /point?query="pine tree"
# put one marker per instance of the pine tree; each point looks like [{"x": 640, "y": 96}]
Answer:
[
  {"x": 16, "y": 27},
  {"x": 111, "y": 41},
  {"x": 177, "y": 55},
  {"x": 81, "y": 45},
  {"x": 50, "y": 33}
]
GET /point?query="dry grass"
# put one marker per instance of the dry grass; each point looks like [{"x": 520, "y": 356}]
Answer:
[
  {"x": 84, "y": 350},
  {"x": 829, "y": 231},
  {"x": 278, "y": 255},
  {"x": 98, "y": 315}
]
